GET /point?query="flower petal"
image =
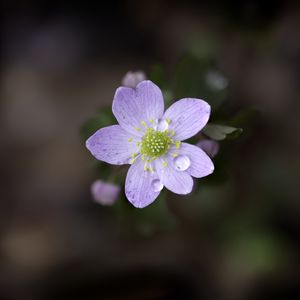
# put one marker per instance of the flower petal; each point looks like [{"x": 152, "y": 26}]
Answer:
[
  {"x": 201, "y": 165},
  {"x": 179, "y": 182},
  {"x": 187, "y": 117},
  {"x": 140, "y": 185},
  {"x": 133, "y": 106},
  {"x": 113, "y": 145}
]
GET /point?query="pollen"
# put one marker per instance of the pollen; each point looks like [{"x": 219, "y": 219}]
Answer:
[
  {"x": 155, "y": 143},
  {"x": 143, "y": 123},
  {"x": 133, "y": 156},
  {"x": 177, "y": 144}
]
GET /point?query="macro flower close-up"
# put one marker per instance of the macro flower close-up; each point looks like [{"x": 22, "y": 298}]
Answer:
[
  {"x": 150, "y": 150},
  {"x": 151, "y": 141}
]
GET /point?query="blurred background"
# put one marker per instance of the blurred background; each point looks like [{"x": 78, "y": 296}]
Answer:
[{"x": 235, "y": 237}]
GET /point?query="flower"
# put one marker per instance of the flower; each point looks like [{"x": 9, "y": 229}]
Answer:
[
  {"x": 210, "y": 147},
  {"x": 151, "y": 141},
  {"x": 105, "y": 193},
  {"x": 132, "y": 79}
]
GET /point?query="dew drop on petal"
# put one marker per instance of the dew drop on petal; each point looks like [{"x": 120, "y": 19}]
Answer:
[
  {"x": 157, "y": 185},
  {"x": 182, "y": 162},
  {"x": 163, "y": 125},
  {"x": 154, "y": 123}
]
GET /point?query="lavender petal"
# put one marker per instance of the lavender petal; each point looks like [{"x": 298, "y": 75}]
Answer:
[
  {"x": 187, "y": 117},
  {"x": 132, "y": 107},
  {"x": 112, "y": 144},
  {"x": 201, "y": 165},
  {"x": 139, "y": 188},
  {"x": 179, "y": 182}
]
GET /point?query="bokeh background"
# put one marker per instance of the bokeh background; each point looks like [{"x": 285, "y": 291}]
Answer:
[{"x": 236, "y": 238}]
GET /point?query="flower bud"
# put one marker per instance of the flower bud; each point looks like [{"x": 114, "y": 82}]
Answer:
[
  {"x": 132, "y": 79},
  {"x": 105, "y": 193}
]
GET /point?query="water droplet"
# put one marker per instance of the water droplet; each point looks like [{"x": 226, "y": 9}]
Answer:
[
  {"x": 157, "y": 185},
  {"x": 163, "y": 125},
  {"x": 182, "y": 162}
]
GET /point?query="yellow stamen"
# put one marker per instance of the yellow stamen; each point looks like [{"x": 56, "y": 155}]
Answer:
[
  {"x": 137, "y": 129},
  {"x": 144, "y": 123},
  {"x": 130, "y": 139},
  {"x": 178, "y": 144},
  {"x": 168, "y": 121},
  {"x": 164, "y": 164}
]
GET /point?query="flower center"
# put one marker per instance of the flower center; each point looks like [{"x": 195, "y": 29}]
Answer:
[{"x": 155, "y": 143}]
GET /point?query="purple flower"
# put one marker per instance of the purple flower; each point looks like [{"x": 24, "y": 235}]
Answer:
[
  {"x": 105, "y": 193},
  {"x": 210, "y": 147},
  {"x": 132, "y": 79},
  {"x": 151, "y": 141}
]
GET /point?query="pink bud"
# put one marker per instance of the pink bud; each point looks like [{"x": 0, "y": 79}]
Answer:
[
  {"x": 105, "y": 193},
  {"x": 210, "y": 147},
  {"x": 132, "y": 79}
]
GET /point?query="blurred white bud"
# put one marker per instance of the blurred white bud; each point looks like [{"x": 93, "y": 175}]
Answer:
[
  {"x": 105, "y": 193},
  {"x": 132, "y": 79},
  {"x": 216, "y": 80}
]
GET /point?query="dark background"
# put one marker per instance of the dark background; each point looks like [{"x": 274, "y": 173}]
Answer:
[{"x": 62, "y": 62}]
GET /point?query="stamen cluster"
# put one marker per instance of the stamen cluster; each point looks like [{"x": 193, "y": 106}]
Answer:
[{"x": 155, "y": 143}]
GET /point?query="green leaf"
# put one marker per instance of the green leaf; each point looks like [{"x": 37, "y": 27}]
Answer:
[{"x": 221, "y": 132}]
